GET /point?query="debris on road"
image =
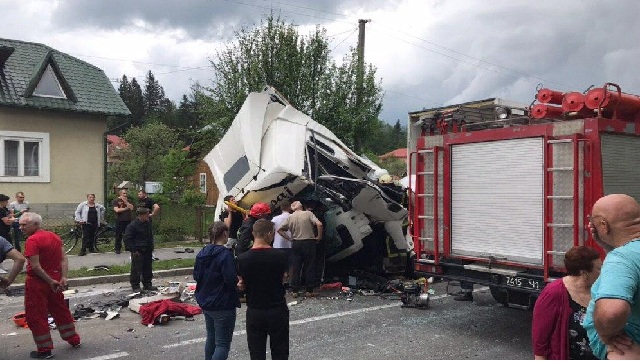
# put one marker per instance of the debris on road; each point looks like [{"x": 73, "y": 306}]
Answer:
[
  {"x": 189, "y": 292},
  {"x": 136, "y": 304},
  {"x": 159, "y": 312},
  {"x": 99, "y": 268},
  {"x": 20, "y": 319}
]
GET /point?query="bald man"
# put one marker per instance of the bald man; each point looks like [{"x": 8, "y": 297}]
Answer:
[
  {"x": 303, "y": 245},
  {"x": 613, "y": 316}
]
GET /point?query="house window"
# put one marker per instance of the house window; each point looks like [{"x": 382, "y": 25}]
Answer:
[
  {"x": 49, "y": 86},
  {"x": 203, "y": 182},
  {"x": 24, "y": 157}
]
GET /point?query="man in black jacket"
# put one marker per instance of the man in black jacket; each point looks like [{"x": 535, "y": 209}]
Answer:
[{"x": 139, "y": 240}]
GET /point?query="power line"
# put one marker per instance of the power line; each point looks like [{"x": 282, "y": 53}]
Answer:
[
  {"x": 511, "y": 70},
  {"x": 344, "y": 32},
  {"x": 306, "y": 8},
  {"x": 124, "y": 60},
  {"x": 467, "y": 56},
  {"x": 437, "y": 104},
  {"x": 343, "y": 40},
  {"x": 289, "y": 11}
]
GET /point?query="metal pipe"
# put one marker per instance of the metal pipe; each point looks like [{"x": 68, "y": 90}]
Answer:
[
  {"x": 573, "y": 102},
  {"x": 540, "y": 111},
  {"x": 600, "y": 97},
  {"x": 548, "y": 96}
]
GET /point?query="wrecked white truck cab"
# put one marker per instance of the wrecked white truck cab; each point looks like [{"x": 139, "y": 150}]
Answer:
[{"x": 273, "y": 152}]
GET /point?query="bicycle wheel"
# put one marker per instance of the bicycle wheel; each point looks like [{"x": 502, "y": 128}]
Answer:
[
  {"x": 69, "y": 240},
  {"x": 105, "y": 240}
]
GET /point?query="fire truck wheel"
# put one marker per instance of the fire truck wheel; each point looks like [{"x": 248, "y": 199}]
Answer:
[{"x": 500, "y": 295}]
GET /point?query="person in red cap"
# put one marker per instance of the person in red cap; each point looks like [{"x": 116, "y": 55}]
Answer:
[
  {"x": 245, "y": 233},
  {"x": 46, "y": 279}
]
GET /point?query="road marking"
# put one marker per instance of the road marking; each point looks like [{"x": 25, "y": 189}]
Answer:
[
  {"x": 319, "y": 318},
  {"x": 110, "y": 356}
]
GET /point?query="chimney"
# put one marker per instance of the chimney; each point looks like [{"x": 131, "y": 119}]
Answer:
[{"x": 5, "y": 53}]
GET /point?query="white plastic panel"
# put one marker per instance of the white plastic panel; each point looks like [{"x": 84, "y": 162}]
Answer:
[{"x": 497, "y": 199}]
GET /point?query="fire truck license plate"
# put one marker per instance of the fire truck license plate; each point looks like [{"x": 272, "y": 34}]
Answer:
[{"x": 522, "y": 282}]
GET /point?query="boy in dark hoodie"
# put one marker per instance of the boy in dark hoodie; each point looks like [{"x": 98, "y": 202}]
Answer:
[{"x": 216, "y": 291}]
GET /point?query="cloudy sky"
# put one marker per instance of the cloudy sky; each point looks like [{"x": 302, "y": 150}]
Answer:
[{"x": 428, "y": 52}]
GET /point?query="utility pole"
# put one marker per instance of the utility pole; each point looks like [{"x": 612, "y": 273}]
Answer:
[{"x": 359, "y": 121}]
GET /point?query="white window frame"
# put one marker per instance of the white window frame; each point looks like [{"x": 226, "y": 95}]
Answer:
[
  {"x": 49, "y": 71},
  {"x": 44, "y": 156},
  {"x": 203, "y": 183}
]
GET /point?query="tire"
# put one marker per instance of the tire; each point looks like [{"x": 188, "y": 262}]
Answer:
[
  {"x": 105, "y": 240},
  {"x": 511, "y": 298},
  {"x": 69, "y": 240},
  {"x": 500, "y": 295}
]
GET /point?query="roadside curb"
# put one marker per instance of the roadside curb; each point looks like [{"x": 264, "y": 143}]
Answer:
[{"x": 87, "y": 281}]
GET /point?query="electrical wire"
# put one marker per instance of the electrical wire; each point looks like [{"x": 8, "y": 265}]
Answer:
[{"x": 343, "y": 40}]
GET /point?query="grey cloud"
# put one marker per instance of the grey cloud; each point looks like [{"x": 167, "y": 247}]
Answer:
[
  {"x": 567, "y": 46},
  {"x": 199, "y": 18}
]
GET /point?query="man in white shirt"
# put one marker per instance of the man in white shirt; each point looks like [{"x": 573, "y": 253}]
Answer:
[
  {"x": 18, "y": 207},
  {"x": 278, "y": 240}
]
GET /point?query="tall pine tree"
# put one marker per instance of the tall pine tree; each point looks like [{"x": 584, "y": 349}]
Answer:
[
  {"x": 153, "y": 95},
  {"x": 131, "y": 95}
]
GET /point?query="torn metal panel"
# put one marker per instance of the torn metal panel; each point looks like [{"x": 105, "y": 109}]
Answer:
[{"x": 274, "y": 152}]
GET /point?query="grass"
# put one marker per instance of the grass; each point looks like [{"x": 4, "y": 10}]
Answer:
[
  {"x": 172, "y": 244},
  {"x": 122, "y": 269}
]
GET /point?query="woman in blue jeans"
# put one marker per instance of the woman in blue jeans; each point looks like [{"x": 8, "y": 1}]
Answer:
[{"x": 216, "y": 292}]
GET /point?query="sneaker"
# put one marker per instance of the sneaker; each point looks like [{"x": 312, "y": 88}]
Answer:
[
  {"x": 136, "y": 289},
  {"x": 118, "y": 251},
  {"x": 466, "y": 296},
  {"x": 150, "y": 288},
  {"x": 82, "y": 253},
  {"x": 41, "y": 355}
]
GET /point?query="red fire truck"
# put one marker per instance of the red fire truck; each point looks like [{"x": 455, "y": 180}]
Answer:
[{"x": 499, "y": 192}]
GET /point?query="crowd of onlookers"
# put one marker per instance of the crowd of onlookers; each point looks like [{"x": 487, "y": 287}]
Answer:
[
  {"x": 257, "y": 255},
  {"x": 260, "y": 254},
  {"x": 47, "y": 263}
]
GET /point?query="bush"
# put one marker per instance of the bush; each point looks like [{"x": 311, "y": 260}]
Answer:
[{"x": 175, "y": 222}]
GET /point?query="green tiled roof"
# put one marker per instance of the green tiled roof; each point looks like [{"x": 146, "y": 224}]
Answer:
[{"x": 87, "y": 87}]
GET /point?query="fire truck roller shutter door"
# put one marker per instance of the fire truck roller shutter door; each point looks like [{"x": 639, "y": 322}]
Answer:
[{"x": 497, "y": 199}]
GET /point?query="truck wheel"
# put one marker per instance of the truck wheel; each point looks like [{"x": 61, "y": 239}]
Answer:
[{"x": 500, "y": 295}]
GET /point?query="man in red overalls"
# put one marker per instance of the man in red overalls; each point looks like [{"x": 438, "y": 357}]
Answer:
[{"x": 46, "y": 279}]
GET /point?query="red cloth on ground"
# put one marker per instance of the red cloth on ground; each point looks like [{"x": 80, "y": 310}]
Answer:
[
  {"x": 331, "y": 286},
  {"x": 153, "y": 310}
]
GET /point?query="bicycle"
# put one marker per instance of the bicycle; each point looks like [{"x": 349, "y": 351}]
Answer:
[{"x": 104, "y": 240}]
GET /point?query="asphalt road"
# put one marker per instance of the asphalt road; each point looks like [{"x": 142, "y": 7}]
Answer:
[{"x": 368, "y": 327}]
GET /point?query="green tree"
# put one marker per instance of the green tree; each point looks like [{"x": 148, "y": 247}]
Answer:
[
  {"x": 131, "y": 95},
  {"x": 143, "y": 159},
  {"x": 153, "y": 96},
  {"x": 137, "y": 103},
  {"x": 300, "y": 68},
  {"x": 394, "y": 166},
  {"x": 178, "y": 168}
]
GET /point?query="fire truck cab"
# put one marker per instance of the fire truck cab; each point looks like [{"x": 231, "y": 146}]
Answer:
[{"x": 499, "y": 194}]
